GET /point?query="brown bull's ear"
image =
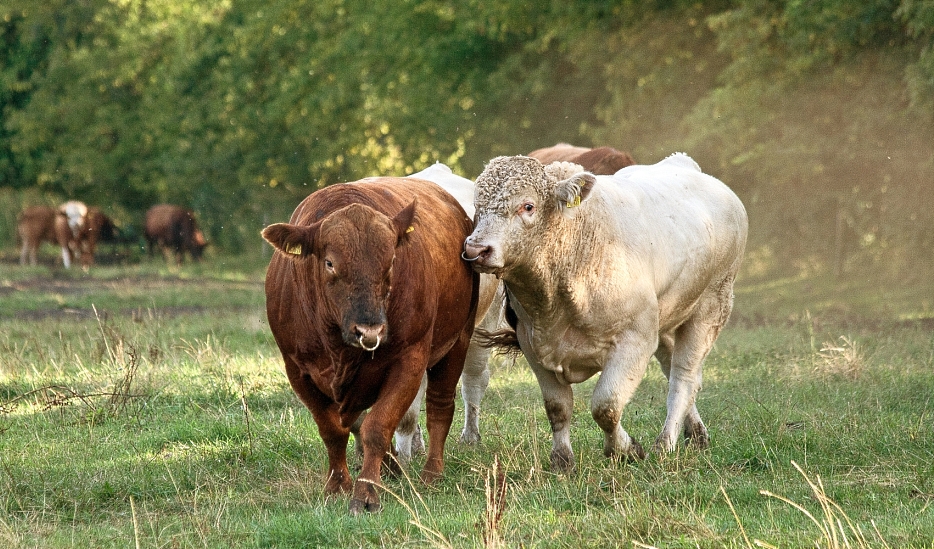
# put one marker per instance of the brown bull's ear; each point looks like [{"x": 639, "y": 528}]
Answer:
[
  {"x": 574, "y": 190},
  {"x": 404, "y": 221},
  {"x": 295, "y": 241}
]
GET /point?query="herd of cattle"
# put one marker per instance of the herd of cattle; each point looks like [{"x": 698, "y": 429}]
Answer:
[
  {"x": 383, "y": 292},
  {"x": 77, "y": 229},
  {"x": 387, "y": 291}
]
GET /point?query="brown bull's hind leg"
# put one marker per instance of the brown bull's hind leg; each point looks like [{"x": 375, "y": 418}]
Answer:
[{"x": 439, "y": 405}]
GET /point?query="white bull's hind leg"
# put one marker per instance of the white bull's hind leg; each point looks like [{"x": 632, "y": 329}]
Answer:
[
  {"x": 694, "y": 429},
  {"x": 476, "y": 375},
  {"x": 618, "y": 382},
  {"x": 692, "y": 341},
  {"x": 474, "y": 381},
  {"x": 408, "y": 434}
]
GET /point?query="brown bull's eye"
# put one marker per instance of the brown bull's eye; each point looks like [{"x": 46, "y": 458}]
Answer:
[{"x": 328, "y": 264}]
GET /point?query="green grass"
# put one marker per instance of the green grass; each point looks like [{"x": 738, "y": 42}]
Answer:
[{"x": 165, "y": 420}]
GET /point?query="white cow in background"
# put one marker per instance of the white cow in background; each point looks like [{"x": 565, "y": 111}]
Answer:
[
  {"x": 601, "y": 273},
  {"x": 476, "y": 376}
]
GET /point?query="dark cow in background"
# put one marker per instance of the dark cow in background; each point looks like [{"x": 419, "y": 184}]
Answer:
[
  {"x": 174, "y": 230},
  {"x": 598, "y": 161},
  {"x": 97, "y": 227},
  {"x": 365, "y": 293},
  {"x": 38, "y": 224}
]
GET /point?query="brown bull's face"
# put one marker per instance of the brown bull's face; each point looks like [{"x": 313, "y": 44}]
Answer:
[{"x": 351, "y": 254}]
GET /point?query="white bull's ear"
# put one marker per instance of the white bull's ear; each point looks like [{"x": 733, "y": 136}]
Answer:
[
  {"x": 295, "y": 241},
  {"x": 572, "y": 191}
]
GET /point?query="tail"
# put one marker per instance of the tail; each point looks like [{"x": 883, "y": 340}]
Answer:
[{"x": 505, "y": 341}]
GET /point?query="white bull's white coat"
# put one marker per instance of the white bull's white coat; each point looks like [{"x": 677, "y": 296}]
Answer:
[
  {"x": 476, "y": 376},
  {"x": 643, "y": 264}
]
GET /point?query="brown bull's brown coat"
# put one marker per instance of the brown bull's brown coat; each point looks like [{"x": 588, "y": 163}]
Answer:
[
  {"x": 97, "y": 226},
  {"x": 598, "y": 161},
  {"x": 366, "y": 292},
  {"x": 174, "y": 229}
]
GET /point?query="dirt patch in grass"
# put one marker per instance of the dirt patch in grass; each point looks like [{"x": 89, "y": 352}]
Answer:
[{"x": 63, "y": 285}]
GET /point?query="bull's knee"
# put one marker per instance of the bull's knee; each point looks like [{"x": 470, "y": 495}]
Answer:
[
  {"x": 617, "y": 442},
  {"x": 559, "y": 415}
]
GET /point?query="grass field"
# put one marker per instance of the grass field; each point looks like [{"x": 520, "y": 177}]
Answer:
[{"x": 146, "y": 407}]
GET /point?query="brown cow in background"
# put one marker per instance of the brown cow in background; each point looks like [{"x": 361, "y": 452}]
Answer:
[
  {"x": 73, "y": 226},
  {"x": 38, "y": 224},
  {"x": 598, "y": 161},
  {"x": 175, "y": 230},
  {"x": 348, "y": 342}
]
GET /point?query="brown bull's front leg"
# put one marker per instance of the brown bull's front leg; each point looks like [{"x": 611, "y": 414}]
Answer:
[
  {"x": 334, "y": 435},
  {"x": 396, "y": 395}
]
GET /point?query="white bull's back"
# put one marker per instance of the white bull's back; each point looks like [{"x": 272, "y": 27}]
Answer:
[{"x": 681, "y": 224}]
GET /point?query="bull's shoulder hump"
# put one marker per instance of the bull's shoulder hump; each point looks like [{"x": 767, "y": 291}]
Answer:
[
  {"x": 680, "y": 160},
  {"x": 461, "y": 188}
]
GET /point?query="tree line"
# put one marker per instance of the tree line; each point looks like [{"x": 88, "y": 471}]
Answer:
[{"x": 819, "y": 113}]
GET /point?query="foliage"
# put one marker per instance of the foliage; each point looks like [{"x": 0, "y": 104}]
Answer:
[{"x": 818, "y": 112}]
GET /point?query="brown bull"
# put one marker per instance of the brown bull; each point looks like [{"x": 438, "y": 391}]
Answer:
[
  {"x": 174, "y": 230},
  {"x": 38, "y": 224},
  {"x": 365, "y": 293},
  {"x": 598, "y": 161}
]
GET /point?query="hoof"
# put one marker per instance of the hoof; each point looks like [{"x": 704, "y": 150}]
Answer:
[
  {"x": 562, "y": 462},
  {"x": 358, "y": 506},
  {"x": 636, "y": 452},
  {"x": 430, "y": 475},
  {"x": 470, "y": 439}
]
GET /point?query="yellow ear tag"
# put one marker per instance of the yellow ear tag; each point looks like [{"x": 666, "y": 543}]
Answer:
[
  {"x": 576, "y": 203},
  {"x": 410, "y": 229},
  {"x": 294, "y": 249}
]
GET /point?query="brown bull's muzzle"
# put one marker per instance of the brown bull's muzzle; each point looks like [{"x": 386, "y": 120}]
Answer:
[{"x": 366, "y": 336}]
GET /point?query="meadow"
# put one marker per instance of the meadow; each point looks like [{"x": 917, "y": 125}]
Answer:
[{"x": 146, "y": 406}]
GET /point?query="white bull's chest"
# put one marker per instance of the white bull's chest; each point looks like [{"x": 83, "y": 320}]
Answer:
[{"x": 574, "y": 353}]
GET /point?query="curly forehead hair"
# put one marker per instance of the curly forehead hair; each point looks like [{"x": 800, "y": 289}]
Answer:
[{"x": 506, "y": 176}]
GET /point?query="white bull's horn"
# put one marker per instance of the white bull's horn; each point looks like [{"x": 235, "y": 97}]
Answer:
[{"x": 362, "y": 344}]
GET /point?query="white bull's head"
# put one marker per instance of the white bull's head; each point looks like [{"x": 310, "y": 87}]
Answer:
[{"x": 518, "y": 203}]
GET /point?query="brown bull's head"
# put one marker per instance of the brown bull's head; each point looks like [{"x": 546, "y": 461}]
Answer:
[{"x": 350, "y": 255}]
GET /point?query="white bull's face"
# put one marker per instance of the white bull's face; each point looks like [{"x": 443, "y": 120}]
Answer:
[
  {"x": 517, "y": 200},
  {"x": 499, "y": 237}
]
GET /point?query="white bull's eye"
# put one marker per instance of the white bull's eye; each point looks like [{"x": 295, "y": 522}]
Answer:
[{"x": 527, "y": 207}]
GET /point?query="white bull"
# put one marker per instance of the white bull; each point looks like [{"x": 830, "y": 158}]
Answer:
[
  {"x": 476, "y": 375},
  {"x": 602, "y": 272}
]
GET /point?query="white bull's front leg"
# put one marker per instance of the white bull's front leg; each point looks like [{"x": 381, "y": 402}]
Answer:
[
  {"x": 624, "y": 370},
  {"x": 559, "y": 406}
]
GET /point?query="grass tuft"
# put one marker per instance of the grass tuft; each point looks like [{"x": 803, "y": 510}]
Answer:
[
  {"x": 844, "y": 358},
  {"x": 836, "y": 529}
]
